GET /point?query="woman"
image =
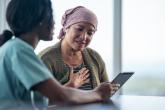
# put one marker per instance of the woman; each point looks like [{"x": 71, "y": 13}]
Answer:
[
  {"x": 21, "y": 71},
  {"x": 79, "y": 25}
]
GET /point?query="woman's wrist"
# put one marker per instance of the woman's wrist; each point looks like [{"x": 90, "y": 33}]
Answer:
[
  {"x": 97, "y": 95},
  {"x": 69, "y": 84}
]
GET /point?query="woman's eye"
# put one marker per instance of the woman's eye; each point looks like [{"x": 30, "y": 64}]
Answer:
[
  {"x": 79, "y": 29},
  {"x": 90, "y": 33}
]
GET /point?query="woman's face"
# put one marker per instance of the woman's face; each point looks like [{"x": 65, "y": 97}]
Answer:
[{"x": 79, "y": 35}]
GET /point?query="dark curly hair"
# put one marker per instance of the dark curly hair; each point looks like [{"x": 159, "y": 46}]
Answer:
[{"x": 24, "y": 15}]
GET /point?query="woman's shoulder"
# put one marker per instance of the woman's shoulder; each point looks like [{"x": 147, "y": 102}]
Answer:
[
  {"x": 50, "y": 51},
  {"x": 92, "y": 51},
  {"x": 93, "y": 54}
]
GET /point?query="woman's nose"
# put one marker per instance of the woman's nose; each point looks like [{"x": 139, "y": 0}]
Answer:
[{"x": 84, "y": 36}]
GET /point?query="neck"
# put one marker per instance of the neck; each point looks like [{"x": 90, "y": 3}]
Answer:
[
  {"x": 31, "y": 38},
  {"x": 69, "y": 51},
  {"x": 70, "y": 56}
]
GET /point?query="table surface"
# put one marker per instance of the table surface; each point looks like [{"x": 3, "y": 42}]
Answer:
[{"x": 123, "y": 102}]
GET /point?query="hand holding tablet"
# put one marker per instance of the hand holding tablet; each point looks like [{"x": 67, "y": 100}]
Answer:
[{"x": 121, "y": 78}]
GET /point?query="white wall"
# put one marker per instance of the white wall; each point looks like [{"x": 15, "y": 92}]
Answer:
[{"x": 3, "y": 23}]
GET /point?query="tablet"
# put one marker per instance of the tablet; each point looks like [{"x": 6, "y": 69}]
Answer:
[{"x": 121, "y": 78}]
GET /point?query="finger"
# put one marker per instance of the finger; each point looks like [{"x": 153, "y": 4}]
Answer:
[
  {"x": 112, "y": 92},
  {"x": 115, "y": 85},
  {"x": 115, "y": 89},
  {"x": 71, "y": 71},
  {"x": 86, "y": 80},
  {"x": 85, "y": 72},
  {"x": 82, "y": 70},
  {"x": 85, "y": 76}
]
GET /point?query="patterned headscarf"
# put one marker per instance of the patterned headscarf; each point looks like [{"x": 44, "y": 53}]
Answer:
[{"x": 75, "y": 15}]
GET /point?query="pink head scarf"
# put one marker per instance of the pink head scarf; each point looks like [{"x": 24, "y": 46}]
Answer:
[{"x": 75, "y": 15}]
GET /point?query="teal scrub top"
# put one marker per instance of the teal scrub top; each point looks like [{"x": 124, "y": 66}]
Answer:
[{"x": 20, "y": 70}]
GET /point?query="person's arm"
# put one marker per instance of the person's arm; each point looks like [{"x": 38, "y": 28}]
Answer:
[{"x": 59, "y": 94}]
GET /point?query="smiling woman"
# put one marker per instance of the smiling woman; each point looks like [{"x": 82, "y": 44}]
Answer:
[{"x": 79, "y": 25}]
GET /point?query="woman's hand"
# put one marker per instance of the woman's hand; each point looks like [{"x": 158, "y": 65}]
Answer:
[
  {"x": 106, "y": 90},
  {"x": 78, "y": 79}
]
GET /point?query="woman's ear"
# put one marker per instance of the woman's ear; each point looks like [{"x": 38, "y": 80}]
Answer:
[{"x": 66, "y": 30}]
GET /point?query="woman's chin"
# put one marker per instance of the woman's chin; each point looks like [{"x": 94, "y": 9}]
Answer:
[{"x": 80, "y": 49}]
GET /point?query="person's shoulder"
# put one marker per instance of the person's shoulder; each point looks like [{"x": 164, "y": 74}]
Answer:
[
  {"x": 51, "y": 50},
  {"x": 91, "y": 51},
  {"x": 95, "y": 55},
  {"x": 16, "y": 47},
  {"x": 15, "y": 44}
]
